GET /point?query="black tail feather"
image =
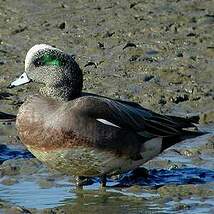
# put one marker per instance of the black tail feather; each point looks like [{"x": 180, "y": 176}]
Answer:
[
  {"x": 171, "y": 140},
  {"x": 5, "y": 117},
  {"x": 185, "y": 122}
]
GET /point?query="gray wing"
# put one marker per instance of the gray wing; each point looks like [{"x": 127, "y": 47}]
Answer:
[{"x": 132, "y": 116}]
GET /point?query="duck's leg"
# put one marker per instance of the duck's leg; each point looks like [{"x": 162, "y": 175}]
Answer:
[
  {"x": 79, "y": 182},
  {"x": 83, "y": 181},
  {"x": 102, "y": 181}
]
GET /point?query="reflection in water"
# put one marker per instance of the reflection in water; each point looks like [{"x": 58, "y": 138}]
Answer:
[
  {"x": 97, "y": 201},
  {"x": 137, "y": 191},
  {"x": 64, "y": 196},
  {"x": 11, "y": 152},
  {"x": 36, "y": 192},
  {"x": 30, "y": 195},
  {"x": 157, "y": 178}
]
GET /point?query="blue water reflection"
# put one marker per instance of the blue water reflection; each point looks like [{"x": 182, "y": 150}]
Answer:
[
  {"x": 154, "y": 178},
  {"x": 12, "y": 152},
  {"x": 157, "y": 178}
]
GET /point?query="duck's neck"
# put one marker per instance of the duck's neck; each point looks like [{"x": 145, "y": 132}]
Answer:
[{"x": 61, "y": 93}]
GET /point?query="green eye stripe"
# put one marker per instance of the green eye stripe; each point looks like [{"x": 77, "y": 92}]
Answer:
[{"x": 48, "y": 59}]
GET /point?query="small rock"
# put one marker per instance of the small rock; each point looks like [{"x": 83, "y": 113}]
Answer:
[
  {"x": 133, "y": 4},
  {"x": 149, "y": 59},
  {"x": 129, "y": 44},
  {"x": 100, "y": 45},
  {"x": 19, "y": 30},
  {"x": 193, "y": 20},
  {"x": 62, "y": 26},
  {"x": 188, "y": 153},
  {"x": 180, "y": 98},
  {"x": 90, "y": 63},
  {"x": 191, "y": 34},
  {"x": 18, "y": 210},
  {"x": 207, "y": 117},
  {"x": 62, "y": 5},
  {"x": 182, "y": 207},
  {"x": 45, "y": 24},
  {"x": 9, "y": 170},
  {"x": 148, "y": 78},
  {"x": 179, "y": 55},
  {"x": 193, "y": 58},
  {"x": 9, "y": 181},
  {"x": 162, "y": 101},
  {"x": 134, "y": 58},
  {"x": 98, "y": 8},
  {"x": 108, "y": 34},
  {"x": 4, "y": 95},
  {"x": 45, "y": 184},
  {"x": 2, "y": 62}
]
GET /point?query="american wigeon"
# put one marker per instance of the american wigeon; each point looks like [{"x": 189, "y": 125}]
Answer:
[{"x": 85, "y": 134}]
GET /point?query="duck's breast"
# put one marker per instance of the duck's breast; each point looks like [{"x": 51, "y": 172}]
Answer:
[{"x": 42, "y": 124}]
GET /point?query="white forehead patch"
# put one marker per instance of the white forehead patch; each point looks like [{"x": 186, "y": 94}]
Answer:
[{"x": 34, "y": 50}]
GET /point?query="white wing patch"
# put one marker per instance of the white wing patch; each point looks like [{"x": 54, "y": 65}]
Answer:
[{"x": 106, "y": 122}]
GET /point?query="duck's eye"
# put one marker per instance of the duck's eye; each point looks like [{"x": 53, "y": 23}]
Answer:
[
  {"x": 38, "y": 62},
  {"x": 48, "y": 59}
]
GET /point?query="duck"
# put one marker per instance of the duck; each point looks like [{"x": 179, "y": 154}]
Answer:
[{"x": 83, "y": 134}]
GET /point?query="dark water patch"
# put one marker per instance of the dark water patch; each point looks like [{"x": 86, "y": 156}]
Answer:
[
  {"x": 12, "y": 152},
  {"x": 157, "y": 178}
]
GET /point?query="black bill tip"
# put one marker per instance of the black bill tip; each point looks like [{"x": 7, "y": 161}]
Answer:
[{"x": 10, "y": 86}]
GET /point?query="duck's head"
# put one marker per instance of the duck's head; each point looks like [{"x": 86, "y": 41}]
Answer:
[{"x": 59, "y": 74}]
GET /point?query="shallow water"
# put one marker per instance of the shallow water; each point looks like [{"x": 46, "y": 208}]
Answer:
[
  {"x": 176, "y": 183},
  {"x": 29, "y": 192}
]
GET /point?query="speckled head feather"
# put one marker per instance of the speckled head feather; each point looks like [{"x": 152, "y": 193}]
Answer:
[{"x": 57, "y": 71}]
